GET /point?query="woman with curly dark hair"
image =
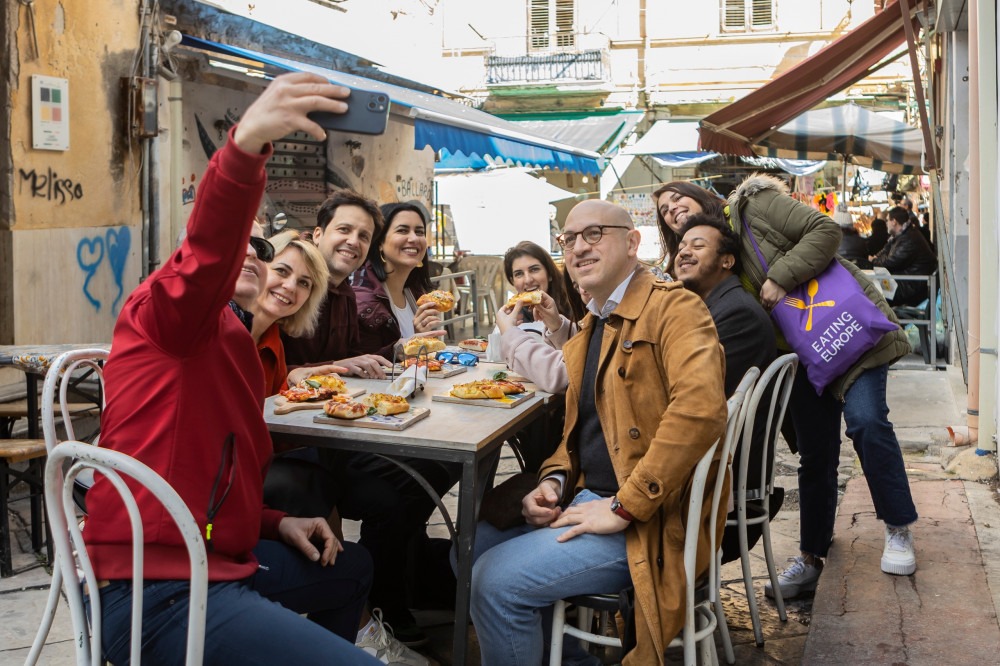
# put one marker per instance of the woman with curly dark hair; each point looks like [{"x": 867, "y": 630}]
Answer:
[{"x": 529, "y": 267}]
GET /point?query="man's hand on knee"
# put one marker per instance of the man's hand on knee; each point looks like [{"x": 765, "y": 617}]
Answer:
[
  {"x": 595, "y": 517},
  {"x": 302, "y": 533},
  {"x": 541, "y": 506}
]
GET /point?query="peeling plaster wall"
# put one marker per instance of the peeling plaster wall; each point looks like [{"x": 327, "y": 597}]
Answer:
[{"x": 68, "y": 254}]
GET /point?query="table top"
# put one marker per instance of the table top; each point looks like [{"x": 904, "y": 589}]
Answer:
[
  {"x": 458, "y": 427},
  {"x": 37, "y": 358}
]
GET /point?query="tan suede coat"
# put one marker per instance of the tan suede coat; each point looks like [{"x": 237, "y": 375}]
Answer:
[{"x": 661, "y": 401}]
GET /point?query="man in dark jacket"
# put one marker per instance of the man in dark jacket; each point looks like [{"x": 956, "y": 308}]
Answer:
[
  {"x": 906, "y": 253},
  {"x": 708, "y": 263}
]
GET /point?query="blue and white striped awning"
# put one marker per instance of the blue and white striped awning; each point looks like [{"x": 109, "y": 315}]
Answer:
[
  {"x": 439, "y": 122},
  {"x": 848, "y": 132},
  {"x": 672, "y": 143}
]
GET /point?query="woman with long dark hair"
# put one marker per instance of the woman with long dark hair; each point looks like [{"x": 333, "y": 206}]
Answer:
[
  {"x": 798, "y": 243},
  {"x": 529, "y": 267},
  {"x": 392, "y": 279},
  {"x": 686, "y": 199}
]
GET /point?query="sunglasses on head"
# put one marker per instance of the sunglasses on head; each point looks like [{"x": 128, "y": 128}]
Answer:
[
  {"x": 263, "y": 248},
  {"x": 461, "y": 358}
]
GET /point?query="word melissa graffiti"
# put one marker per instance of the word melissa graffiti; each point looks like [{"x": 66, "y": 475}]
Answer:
[
  {"x": 90, "y": 252},
  {"x": 50, "y": 187}
]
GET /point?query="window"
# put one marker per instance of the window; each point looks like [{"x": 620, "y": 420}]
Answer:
[
  {"x": 748, "y": 15},
  {"x": 550, "y": 25}
]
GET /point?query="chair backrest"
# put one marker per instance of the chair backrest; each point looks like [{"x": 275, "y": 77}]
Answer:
[
  {"x": 737, "y": 406},
  {"x": 58, "y": 380},
  {"x": 488, "y": 269},
  {"x": 71, "y": 552},
  {"x": 776, "y": 383}
]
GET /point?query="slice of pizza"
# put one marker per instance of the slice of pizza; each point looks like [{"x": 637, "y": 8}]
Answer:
[
  {"x": 474, "y": 344},
  {"x": 478, "y": 390},
  {"x": 527, "y": 298},
  {"x": 432, "y": 364},
  {"x": 345, "y": 409},
  {"x": 416, "y": 345},
  {"x": 307, "y": 393},
  {"x": 386, "y": 404},
  {"x": 508, "y": 386},
  {"x": 443, "y": 300},
  {"x": 325, "y": 381}
]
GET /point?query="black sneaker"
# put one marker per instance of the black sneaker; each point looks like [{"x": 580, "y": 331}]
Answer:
[{"x": 410, "y": 635}]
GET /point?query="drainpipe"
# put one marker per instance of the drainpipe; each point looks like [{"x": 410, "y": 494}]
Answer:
[
  {"x": 970, "y": 435},
  {"x": 641, "y": 60},
  {"x": 176, "y": 144},
  {"x": 988, "y": 248},
  {"x": 153, "y": 230}
]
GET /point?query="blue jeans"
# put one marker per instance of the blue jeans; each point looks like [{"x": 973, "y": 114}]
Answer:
[
  {"x": 516, "y": 580},
  {"x": 255, "y": 620},
  {"x": 817, "y": 427}
]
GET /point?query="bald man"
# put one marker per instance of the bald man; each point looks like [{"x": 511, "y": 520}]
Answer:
[{"x": 645, "y": 402}]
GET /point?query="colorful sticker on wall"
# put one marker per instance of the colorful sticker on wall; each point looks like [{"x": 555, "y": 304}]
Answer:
[
  {"x": 90, "y": 252},
  {"x": 49, "y": 113}
]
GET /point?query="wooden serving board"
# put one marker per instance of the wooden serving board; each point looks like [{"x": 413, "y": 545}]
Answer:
[
  {"x": 512, "y": 400},
  {"x": 282, "y": 406},
  {"x": 448, "y": 370},
  {"x": 394, "y": 422}
]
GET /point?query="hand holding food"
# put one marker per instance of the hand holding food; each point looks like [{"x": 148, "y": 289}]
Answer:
[
  {"x": 426, "y": 318},
  {"x": 417, "y": 344},
  {"x": 526, "y": 299},
  {"x": 443, "y": 300}
]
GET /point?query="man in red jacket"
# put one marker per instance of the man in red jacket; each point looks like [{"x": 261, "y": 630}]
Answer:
[{"x": 184, "y": 389}]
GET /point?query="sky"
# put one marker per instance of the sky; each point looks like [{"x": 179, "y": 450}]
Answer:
[{"x": 404, "y": 35}]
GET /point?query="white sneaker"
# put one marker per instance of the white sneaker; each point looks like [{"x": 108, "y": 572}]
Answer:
[
  {"x": 379, "y": 642},
  {"x": 799, "y": 577},
  {"x": 898, "y": 557}
]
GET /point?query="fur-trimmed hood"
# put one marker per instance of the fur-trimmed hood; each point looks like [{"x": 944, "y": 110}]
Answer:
[{"x": 754, "y": 184}]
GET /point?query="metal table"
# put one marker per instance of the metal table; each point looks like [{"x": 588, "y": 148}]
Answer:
[
  {"x": 34, "y": 361},
  {"x": 461, "y": 433}
]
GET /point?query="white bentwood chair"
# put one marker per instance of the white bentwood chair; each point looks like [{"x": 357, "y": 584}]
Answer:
[
  {"x": 776, "y": 385},
  {"x": 71, "y": 551},
  {"x": 703, "y": 611}
]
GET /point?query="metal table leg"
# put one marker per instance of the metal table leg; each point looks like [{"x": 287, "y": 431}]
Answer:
[{"x": 466, "y": 538}]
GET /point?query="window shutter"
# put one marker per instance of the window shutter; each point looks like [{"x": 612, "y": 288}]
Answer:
[
  {"x": 733, "y": 15},
  {"x": 538, "y": 24},
  {"x": 564, "y": 23},
  {"x": 762, "y": 14}
]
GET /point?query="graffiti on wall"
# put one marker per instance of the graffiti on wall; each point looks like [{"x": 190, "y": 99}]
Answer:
[
  {"x": 50, "y": 186},
  {"x": 412, "y": 188},
  {"x": 113, "y": 246},
  {"x": 187, "y": 193}
]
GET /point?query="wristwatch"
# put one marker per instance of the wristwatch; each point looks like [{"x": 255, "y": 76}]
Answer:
[{"x": 619, "y": 510}]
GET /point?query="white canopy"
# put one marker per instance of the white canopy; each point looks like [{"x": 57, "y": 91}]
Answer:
[{"x": 495, "y": 210}]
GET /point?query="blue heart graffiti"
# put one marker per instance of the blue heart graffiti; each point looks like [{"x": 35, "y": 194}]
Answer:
[{"x": 90, "y": 253}]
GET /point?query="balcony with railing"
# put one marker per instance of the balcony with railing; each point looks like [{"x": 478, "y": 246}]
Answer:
[{"x": 563, "y": 59}]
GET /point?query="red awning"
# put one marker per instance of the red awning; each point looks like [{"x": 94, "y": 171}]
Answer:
[{"x": 841, "y": 63}]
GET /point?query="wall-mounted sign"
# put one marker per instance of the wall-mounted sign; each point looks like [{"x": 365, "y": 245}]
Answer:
[{"x": 49, "y": 113}]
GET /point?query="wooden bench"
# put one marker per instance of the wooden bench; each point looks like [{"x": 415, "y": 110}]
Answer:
[
  {"x": 13, "y": 451},
  {"x": 10, "y": 412}
]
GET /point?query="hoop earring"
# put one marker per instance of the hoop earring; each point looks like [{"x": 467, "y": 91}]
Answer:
[
  {"x": 382, "y": 257},
  {"x": 421, "y": 264}
]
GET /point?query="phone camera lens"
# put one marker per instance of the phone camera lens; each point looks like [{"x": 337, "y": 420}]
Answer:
[{"x": 372, "y": 106}]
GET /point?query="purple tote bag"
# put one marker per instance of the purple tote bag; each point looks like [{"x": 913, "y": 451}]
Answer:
[{"x": 828, "y": 321}]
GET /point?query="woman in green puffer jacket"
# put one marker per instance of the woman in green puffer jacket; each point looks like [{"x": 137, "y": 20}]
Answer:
[{"x": 798, "y": 243}]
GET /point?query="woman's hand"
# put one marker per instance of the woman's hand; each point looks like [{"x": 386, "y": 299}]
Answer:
[
  {"x": 548, "y": 313},
  {"x": 298, "y": 374},
  {"x": 771, "y": 293},
  {"x": 427, "y": 318},
  {"x": 508, "y": 318}
]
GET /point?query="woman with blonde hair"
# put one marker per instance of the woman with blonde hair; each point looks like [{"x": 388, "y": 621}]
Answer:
[{"x": 293, "y": 290}]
